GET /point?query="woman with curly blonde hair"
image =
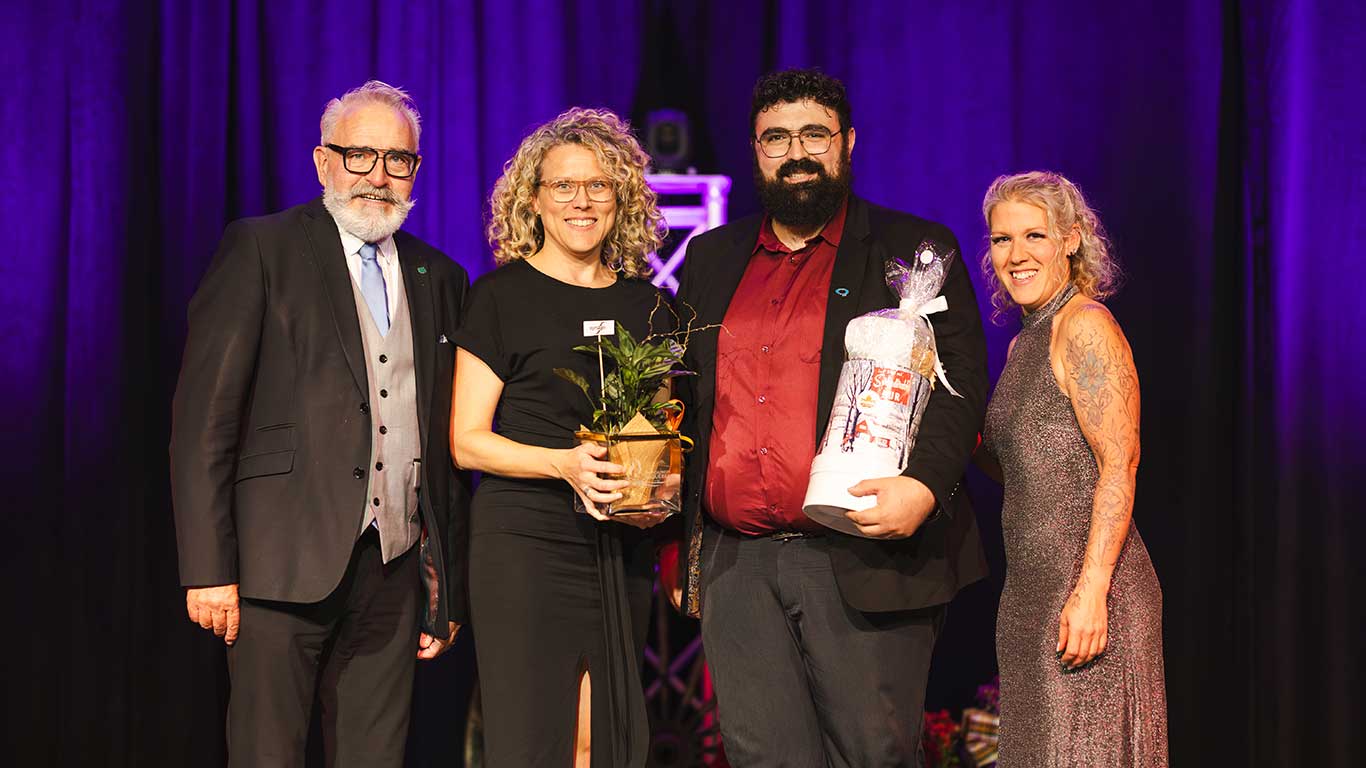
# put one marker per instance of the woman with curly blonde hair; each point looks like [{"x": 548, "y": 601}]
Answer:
[
  {"x": 561, "y": 599},
  {"x": 515, "y": 227},
  {"x": 1079, "y": 627},
  {"x": 1090, "y": 265}
]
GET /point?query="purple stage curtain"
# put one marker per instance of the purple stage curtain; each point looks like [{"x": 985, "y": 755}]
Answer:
[{"x": 1221, "y": 142}]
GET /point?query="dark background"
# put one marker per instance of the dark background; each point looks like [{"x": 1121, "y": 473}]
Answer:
[{"x": 1222, "y": 143}]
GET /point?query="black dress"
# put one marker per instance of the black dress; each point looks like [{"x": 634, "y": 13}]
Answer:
[{"x": 553, "y": 591}]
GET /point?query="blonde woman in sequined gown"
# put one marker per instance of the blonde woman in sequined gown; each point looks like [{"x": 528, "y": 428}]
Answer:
[{"x": 1079, "y": 629}]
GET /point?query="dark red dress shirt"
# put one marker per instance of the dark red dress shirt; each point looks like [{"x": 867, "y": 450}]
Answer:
[{"x": 767, "y": 379}]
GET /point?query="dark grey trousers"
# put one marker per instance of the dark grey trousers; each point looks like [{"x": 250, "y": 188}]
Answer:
[
  {"x": 801, "y": 679},
  {"x": 356, "y": 649}
]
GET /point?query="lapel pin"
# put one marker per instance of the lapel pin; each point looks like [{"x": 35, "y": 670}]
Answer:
[
  {"x": 842, "y": 291},
  {"x": 422, "y": 270}
]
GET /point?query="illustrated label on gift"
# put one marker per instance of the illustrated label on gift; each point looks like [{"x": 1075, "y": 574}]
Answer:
[
  {"x": 599, "y": 327},
  {"x": 874, "y": 408}
]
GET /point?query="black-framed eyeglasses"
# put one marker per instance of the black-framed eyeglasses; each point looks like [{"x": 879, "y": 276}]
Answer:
[
  {"x": 600, "y": 190},
  {"x": 775, "y": 142},
  {"x": 361, "y": 160}
]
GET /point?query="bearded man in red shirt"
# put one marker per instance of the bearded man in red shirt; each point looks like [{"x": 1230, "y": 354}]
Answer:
[{"x": 819, "y": 642}]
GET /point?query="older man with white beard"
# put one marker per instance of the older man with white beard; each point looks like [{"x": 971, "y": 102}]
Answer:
[{"x": 320, "y": 523}]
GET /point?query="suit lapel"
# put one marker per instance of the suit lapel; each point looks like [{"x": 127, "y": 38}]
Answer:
[
  {"x": 417, "y": 286},
  {"x": 331, "y": 262},
  {"x": 848, "y": 285},
  {"x": 725, "y": 276},
  {"x": 731, "y": 270}
]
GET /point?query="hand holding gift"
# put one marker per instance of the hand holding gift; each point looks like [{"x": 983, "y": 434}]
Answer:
[
  {"x": 891, "y": 366},
  {"x": 633, "y": 469}
]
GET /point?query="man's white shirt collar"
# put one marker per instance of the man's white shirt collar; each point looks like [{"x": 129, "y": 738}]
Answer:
[{"x": 387, "y": 258}]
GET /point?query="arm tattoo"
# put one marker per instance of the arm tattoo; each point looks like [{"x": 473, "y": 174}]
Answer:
[{"x": 1103, "y": 388}]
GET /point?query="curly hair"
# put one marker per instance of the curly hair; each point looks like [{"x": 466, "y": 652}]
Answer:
[
  {"x": 515, "y": 230},
  {"x": 795, "y": 85},
  {"x": 1092, "y": 268}
]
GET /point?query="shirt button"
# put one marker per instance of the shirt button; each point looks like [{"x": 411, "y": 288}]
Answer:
[
  {"x": 384, "y": 393},
  {"x": 774, "y": 302},
  {"x": 792, "y": 260},
  {"x": 375, "y": 501},
  {"x": 365, "y": 408},
  {"x": 384, "y": 358},
  {"x": 383, "y": 430},
  {"x": 763, "y": 451},
  {"x": 358, "y": 473},
  {"x": 379, "y": 466},
  {"x": 763, "y": 399},
  {"x": 764, "y": 349}
]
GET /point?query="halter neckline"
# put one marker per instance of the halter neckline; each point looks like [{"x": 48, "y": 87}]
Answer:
[{"x": 1032, "y": 319}]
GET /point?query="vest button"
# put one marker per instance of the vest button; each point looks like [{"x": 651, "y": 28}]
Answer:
[
  {"x": 358, "y": 473},
  {"x": 375, "y": 501},
  {"x": 384, "y": 393},
  {"x": 379, "y": 466},
  {"x": 384, "y": 358},
  {"x": 383, "y": 430},
  {"x": 365, "y": 408}
]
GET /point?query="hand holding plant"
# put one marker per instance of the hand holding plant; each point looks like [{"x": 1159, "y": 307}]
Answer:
[{"x": 634, "y": 423}]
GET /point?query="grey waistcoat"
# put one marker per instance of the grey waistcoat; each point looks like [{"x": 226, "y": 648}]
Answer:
[{"x": 396, "y": 451}]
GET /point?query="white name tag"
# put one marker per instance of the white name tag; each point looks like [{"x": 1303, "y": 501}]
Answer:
[{"x": 599, "y": 327}]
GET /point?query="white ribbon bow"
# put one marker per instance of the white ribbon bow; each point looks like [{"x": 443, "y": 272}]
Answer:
[{"x": 933, "y": 306}]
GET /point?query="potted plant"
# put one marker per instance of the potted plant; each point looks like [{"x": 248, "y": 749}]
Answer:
[{"x": 638, "y": 428}]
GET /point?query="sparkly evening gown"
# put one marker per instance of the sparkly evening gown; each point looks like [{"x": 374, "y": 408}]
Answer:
[{"x": 1113, "y": 712}]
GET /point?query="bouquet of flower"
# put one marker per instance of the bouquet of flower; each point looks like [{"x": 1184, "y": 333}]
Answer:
[
  {"x": 639, "y": 431},
  {"x": 891, "y": 365},
  {"x": 972, "y": 741},
  {"x": 939, "y": 740}
]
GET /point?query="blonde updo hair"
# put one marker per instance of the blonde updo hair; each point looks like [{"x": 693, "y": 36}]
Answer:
[
  {"x": 516, "y": 232},
  {"x": 1091, "y": 267}
]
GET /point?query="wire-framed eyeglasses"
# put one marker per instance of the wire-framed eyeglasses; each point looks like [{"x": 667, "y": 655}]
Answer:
[{"x": 815, "y": 140}]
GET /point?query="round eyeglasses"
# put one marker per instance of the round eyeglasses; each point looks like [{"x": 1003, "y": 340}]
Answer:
[
  {"x": 599, "y": 190},
  {"x": 398, "y": 164}
]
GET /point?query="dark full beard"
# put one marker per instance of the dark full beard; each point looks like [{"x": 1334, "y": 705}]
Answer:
[{"x": 804, "y": 207}]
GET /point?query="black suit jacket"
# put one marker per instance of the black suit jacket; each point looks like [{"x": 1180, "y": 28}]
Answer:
[
  {"x": 270, "y": 436},
  {"x": 873, "y": 575}
]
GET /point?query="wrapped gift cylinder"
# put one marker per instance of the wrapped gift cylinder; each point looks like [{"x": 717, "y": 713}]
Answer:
[{"x": 890, "y": 369}]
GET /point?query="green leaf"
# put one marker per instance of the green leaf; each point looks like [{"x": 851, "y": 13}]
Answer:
[
  {"x": 635, "y": 370},
  {"x": 572, "y": 377}
]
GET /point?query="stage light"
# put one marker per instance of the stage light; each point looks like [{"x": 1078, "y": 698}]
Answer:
[{"x": 667, "y": 141}]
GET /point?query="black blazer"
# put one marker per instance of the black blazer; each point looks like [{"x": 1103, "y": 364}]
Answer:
[
  {"x": 873, "y": 575},
  {"x": 270, "y": 436}
]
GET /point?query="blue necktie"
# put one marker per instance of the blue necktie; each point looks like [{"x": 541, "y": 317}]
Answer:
[{"x": 372, "y": 287}]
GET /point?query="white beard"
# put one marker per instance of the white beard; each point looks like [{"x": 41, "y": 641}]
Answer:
[{"x": 371, "y": 226}]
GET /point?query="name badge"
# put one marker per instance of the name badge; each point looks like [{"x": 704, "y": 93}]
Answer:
[{"x": 599, "y": 327}]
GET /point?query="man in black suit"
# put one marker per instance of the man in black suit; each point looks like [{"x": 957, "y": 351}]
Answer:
[
  {"x": 819, "y": 642},
  {"x": 320, "y": 522}
]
